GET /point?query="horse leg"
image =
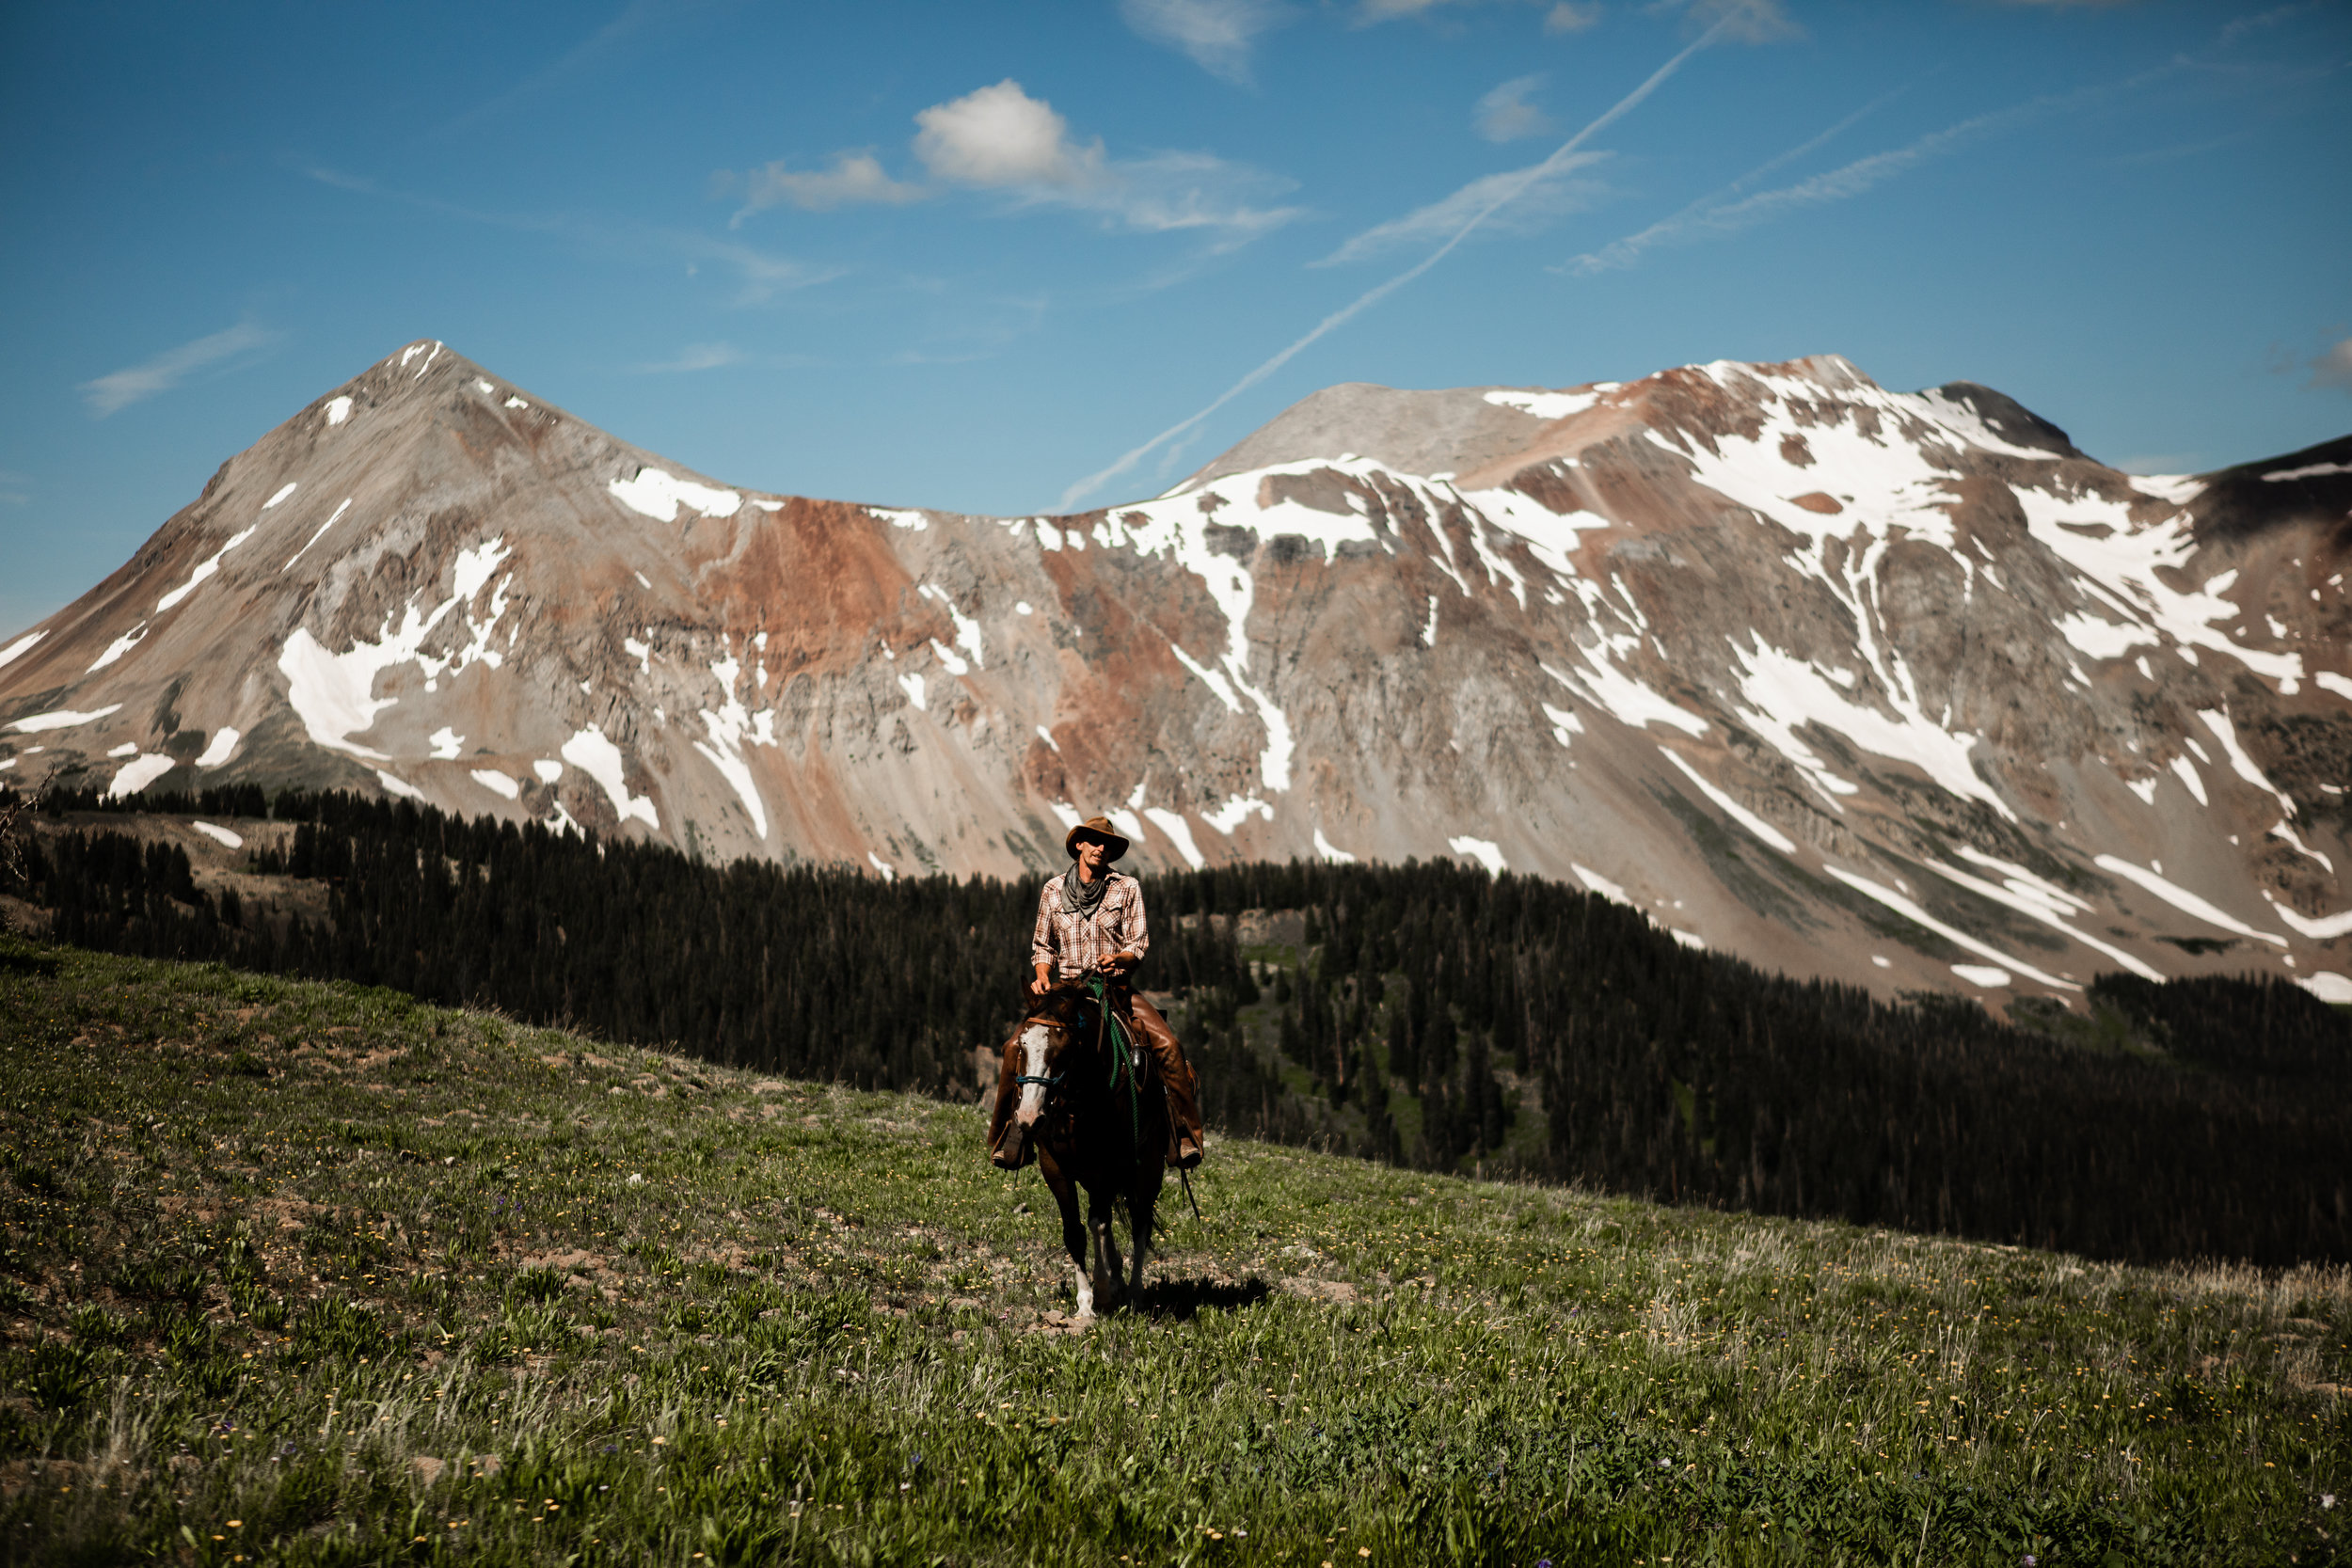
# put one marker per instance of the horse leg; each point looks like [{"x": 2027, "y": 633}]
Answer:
[
  {"x": 1073, "y": 1235},
  {"x": 1140, "y": 1209},
  {"x": 1106, "y": 1268}
]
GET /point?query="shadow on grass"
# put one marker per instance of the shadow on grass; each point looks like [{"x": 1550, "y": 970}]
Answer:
[{"x": 1182, "y": 1300}]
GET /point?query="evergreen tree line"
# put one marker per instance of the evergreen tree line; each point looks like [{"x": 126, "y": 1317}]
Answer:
[{"x": 2213, "y": 1124}]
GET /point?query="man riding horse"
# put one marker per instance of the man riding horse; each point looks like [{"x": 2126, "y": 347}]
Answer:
[{"x": 1089, "y": 923}]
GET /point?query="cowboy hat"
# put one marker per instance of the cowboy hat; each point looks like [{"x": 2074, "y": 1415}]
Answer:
[{"x": 1114, "y": 842}]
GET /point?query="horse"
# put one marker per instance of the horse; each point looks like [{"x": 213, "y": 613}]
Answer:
[{"x": 1095, "y": 1108}]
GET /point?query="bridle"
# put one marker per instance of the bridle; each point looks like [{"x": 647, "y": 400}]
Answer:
[{"x": 1122, "y": 1059}]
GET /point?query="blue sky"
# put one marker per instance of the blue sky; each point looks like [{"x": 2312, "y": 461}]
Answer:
[{"x": 978, "y": 255}]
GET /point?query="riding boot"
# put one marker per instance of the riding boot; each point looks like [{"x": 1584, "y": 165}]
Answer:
[
  {"x": 1184, "y": 1099},
  {"x": 1010, "y": 1147}
]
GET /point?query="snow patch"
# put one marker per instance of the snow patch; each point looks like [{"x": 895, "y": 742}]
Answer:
[
  {"x": 517, "y": 403},
  {"x": 316, "y": 537},
  {"x": 1982, "y": 974},
  {"x": 1623, "y": 698},
  {"x": 1330, "y": 852},
  {"x": 496, "y": 783},
  {"x": 968, "y": 630},
  {"x": 2103, "y": 639},
  {"x": 139, "y": 773},
  {"x": 2186, "y": 773},
  {"x": 1600, "y": 884},
  {"x": 2183, "y": 900},
  {"x": 1210, "y": 678},
  {"x": 338, "y": 410},
  {"x": 730, "y": 729},
  {"x": 120, "y": 646},
  {"x": 1484, "y": 850},
  {"x": 658, "y": 495},
  {"x": 283, "y": 491},
  {"x": 2326, "y": 929},
  {"x": 1732, "y": 808},
  {"x": 401, "y": 787},
  {"x": 228, "y": 838},
  {"x": 10, "y": 652},
  {"x": 2217, "y": 720},
  {"x": 218, "y": 750},
  {"x": 1545, "y": 405},
  {"x": 2118, "y": 565},
  {"x": 2329, "y": 987},
  {"x": 593, "y": 754},
  {"x": 445, "y": 742},
  {"x": 1912, "y": 912},
  {"x": 1692, "y": 940},
  {"x": 63, "y": 719},
  {"x": 912, "y": 684},
  {"x": 2312, "y": 470},
  {"x": 1236, "y": 810},
  {"x": 889, "y": 873},
  {"x": 1179, "y": 832},
  {"x": 2029, "y": 894},
  {"x": 203, "y": 569},
  {"x": 549, "y": 769}
]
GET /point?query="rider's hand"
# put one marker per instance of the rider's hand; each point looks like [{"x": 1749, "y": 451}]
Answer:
[{"x": 1040, "y": 986}]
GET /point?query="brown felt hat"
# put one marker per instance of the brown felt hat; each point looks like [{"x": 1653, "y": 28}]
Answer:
[{"x": 1114, "y": 842}]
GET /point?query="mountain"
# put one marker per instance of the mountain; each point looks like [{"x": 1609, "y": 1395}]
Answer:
[{"x": 1896, "y": 689}]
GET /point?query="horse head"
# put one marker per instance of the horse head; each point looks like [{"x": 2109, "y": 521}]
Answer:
[{"x": 1045, "y": 1048}]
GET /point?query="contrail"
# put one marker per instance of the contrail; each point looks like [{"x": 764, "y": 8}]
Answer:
[
  {"x": 1370, "y": 297},
  {"x": 1713, "y": 215},
  {"x": 1623, "y": 252}
]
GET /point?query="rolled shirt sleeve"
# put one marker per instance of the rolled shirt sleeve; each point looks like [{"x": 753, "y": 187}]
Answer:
[
  {"x": 1041, "y": 940},
  {"x": 1132, "y": 936}
]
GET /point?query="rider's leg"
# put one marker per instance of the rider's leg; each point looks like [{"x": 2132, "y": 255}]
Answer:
[
  {"x": 1007, "y": 1147},
  {"x": 1183, "y": 1102}
]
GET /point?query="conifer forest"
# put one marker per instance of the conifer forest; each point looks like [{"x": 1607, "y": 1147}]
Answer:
[{"x": 1424, "y": 1015}]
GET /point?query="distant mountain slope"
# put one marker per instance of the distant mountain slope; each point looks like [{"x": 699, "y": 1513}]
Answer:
[{"x": 1901, "y": 689}]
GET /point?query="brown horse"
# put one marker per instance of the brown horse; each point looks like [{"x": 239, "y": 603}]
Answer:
[{"x": 1100, "y": 1121}]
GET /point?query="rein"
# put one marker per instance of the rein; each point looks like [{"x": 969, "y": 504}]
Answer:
[{"x": 1123, "y": 1057}]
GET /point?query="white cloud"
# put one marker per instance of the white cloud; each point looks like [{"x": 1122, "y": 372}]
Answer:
[
  {"x": 2334, "y": 368},
  {"x": 698, "y": 357},
  {"x": 854, "y": 178},
  {"x": 1000, "y": 136},
  {"x": 1535, "y": 197},
  {"x": 1217, "y": 33},
  {"x": 1506, "y": 114},
  {"x": 1572, "y": 16},
  {"x": 1001, "y": 139},
  {"x": 121, "y": 388}
]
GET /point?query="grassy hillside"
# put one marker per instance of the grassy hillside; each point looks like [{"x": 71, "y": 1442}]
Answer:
[
  {"x": 1424, "y": 1015},
  {"x": 306, "y": 1272}
]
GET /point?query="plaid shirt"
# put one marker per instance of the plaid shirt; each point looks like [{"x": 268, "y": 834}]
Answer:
[{"x": 1074, "y": 944}]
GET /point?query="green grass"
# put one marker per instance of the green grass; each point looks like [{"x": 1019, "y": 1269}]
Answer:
[{"x": 302, "y": 1272}]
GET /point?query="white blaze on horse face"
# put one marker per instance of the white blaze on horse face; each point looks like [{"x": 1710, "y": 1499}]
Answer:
[{"x": 1033, "y": 1042}]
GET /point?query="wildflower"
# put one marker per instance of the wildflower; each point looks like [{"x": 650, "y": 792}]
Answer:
[{"x": 2327, "y": 1500}]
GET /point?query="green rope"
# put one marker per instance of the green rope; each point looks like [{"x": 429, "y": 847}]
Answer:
[{"x": 1121, "y": 1057}]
